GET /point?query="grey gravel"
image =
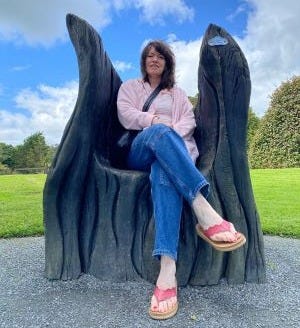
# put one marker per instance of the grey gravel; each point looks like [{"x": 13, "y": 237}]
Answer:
[{"x": 27, "y": 299}]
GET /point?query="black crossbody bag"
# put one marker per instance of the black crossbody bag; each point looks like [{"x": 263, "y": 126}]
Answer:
[{"x": 127, "y": 137}]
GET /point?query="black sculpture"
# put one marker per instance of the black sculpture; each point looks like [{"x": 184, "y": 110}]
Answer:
[{"x": 98, "y": 215}]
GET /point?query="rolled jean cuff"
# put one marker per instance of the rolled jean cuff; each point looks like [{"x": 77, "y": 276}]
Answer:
[
  {"x": 158, "y": 253},
  {"x": 203, "y": 187}
]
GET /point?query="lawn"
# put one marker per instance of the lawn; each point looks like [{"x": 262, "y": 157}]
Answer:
[
  {"x": 277, "y": 195},
  {"x": 21, "y": 209},
  {"x": 276, "y": 192}
]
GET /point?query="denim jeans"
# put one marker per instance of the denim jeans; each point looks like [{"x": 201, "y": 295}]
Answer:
[{"x": 159, "y": 150}]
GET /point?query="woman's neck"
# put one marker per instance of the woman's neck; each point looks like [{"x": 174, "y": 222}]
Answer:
[{"x": 154, "y": 81}]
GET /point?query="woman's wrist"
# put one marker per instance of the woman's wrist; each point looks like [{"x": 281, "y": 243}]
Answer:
[{"x": 155, "y": 118}]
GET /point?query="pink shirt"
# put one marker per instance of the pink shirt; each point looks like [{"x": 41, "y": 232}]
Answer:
[
  {"x": 163, "y": 105},
  {"x": 131, "y": 98}
]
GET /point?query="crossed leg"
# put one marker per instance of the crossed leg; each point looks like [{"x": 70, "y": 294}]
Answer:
[{"x": 207, "y": 218}]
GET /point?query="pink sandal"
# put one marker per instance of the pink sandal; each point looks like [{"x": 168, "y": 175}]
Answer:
[
  {"x": 223, "y": 246},
  {"x": 163, "y": 295}
]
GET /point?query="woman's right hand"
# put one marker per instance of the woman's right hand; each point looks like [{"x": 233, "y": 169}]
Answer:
[{"x": 157, "y": 120}]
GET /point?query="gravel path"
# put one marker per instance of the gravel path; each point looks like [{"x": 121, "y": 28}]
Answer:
[{"x": 27, "y": 299}]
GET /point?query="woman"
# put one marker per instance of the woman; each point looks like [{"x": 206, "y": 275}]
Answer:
[{"x": 165, "y": 147}]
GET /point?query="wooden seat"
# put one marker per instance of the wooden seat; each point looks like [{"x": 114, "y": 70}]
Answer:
[{"x": 98, "y": 215}]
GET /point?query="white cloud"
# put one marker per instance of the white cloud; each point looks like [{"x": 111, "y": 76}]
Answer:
[
  {"x": 240, "y": 9},
  {"x": 20, "y": 68},
  {"x": 153, "y": 11},
  {"x": 272, "y": 47},
  {"x": 47, "y": 109},
  {"x": 187, "y": 61},
  {"x": 121, "y": 66},
  {"x": 43, "y": 22}
]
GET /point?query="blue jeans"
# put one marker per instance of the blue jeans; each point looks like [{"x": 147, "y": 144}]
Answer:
[{"x": 159, "y": 150}]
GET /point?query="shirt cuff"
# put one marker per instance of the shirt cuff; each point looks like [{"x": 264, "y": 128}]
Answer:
[{"x": 148, "y": 119}]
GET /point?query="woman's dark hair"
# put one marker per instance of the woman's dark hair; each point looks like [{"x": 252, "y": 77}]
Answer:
[{"x": 168, "y": 75}]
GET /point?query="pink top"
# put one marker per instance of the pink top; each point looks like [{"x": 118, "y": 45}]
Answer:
[
  {"x": 164, "y": 107},
  {"x": 131, "y": 98}
]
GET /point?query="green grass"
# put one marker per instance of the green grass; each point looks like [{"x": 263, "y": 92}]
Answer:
[
  {"x": 277, "y": 196},
  {"x": 21, "y": 210},
  {"x": 276, "y": 193}
]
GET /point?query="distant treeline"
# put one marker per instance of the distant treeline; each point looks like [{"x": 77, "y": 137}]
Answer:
[{"x": 33, "y": 156}]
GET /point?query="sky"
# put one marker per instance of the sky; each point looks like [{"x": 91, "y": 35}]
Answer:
[{"x": 38, "y": 65}]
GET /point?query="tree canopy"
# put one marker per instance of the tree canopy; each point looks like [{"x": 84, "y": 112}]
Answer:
[
  {"x": 277, "y": 141},
  {"x": 33, "y": 153},
  {"x": 253, "y": 124}
]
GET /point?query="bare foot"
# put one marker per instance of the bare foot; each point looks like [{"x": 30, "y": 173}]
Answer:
[
  {"x": 208, "y": 217},
  {"x": 166, "y": 280}
]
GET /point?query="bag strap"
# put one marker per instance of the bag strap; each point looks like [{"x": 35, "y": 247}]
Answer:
[{"x": 152, "y": 96}]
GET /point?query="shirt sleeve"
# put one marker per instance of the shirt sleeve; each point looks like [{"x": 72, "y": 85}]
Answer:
[
  {"x": 185, "y": 123},
  {"x": 130, "y": 112}
]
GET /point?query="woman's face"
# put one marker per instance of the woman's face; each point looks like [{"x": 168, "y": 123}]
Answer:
[{"x": 155, "y": 63}]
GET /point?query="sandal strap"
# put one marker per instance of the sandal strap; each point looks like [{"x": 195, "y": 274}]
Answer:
[
  {"x": 222, "y": 227},
  {"x": 163, "y": 295}
]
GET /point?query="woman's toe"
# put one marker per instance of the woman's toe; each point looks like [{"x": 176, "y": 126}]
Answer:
[
  {"x": 172, "y": 302},
  {"x": 154, "y": 303},
  {"x": 163, "y": 306}
]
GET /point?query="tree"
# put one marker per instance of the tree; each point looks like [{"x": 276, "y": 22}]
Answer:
[
  {"x": 276, "y": 143},
  {"x": 194, "y": 100},
  {"x": 253, "y": 124},
  {"x": 51, "y": 153},
  {"x": 7, "y": 155},
  {"x": 34, "y": 153}
]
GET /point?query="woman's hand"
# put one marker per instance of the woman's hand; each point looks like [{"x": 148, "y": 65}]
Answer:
[{"x": 157, "y": 120}]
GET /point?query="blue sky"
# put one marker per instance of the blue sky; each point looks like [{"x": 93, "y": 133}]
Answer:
[{"x": 38, "y": 66}]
